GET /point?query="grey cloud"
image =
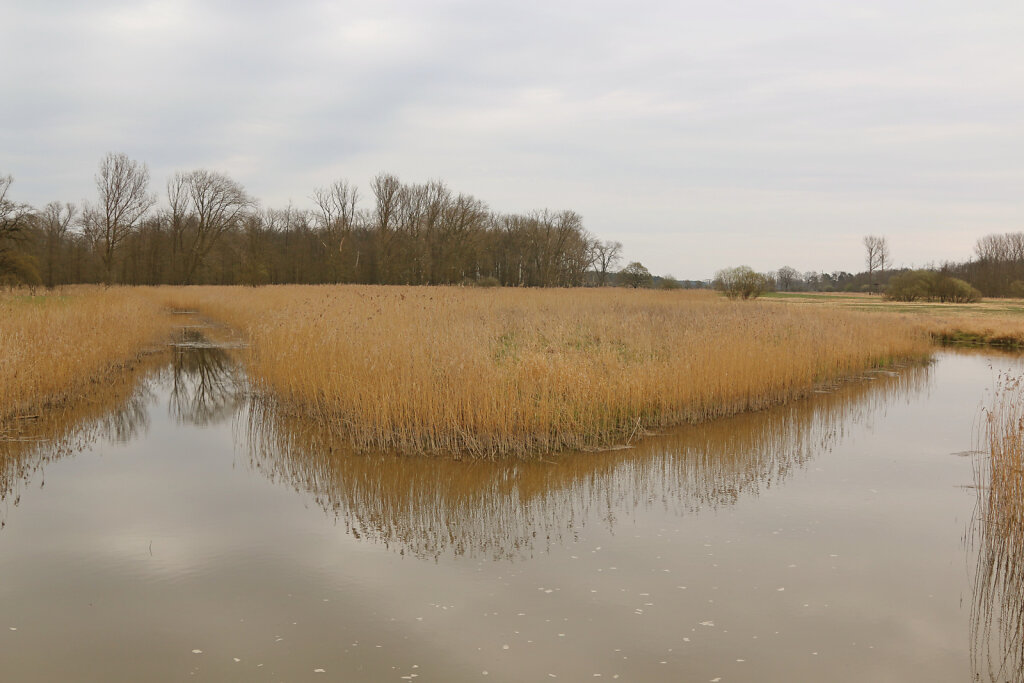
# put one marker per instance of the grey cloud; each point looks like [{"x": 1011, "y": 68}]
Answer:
[{"x": 699, "y": 135}]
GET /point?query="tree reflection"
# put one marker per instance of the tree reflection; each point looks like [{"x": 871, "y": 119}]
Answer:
[
  {"x": 205, "y": 384},
  {"x": 512, "y": 509},
  {"x": 201, "y": 382}
]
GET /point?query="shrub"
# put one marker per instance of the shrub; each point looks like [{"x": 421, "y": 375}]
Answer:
[
  {"x": 742, "y": 282},
  {"x": 669, "y": 282},
  {"x": 928, "y": 285},
  {"x": 952, "y": 290}
]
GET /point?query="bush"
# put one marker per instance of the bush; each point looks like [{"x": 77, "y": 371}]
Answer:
[
  {"x": 669, "y": 282},
  {"x": 928, "y": 285},
  {"x": 742, "y": 282},
  {"x": 952, "y": 290},
  {"x": 913, "y": 285}
]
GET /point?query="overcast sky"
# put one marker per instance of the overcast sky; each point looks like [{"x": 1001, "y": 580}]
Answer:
[{"x": 699, "y": 134}]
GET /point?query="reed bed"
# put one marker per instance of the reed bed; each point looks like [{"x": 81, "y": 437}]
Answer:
[
  {"x": 53, "y": 347},
  {"x": 490, "y": 372},
  {"x": 989, "y": 330},
  {"x": 998, "y": 607},
  {"x": 992, "y": 322},
  {"x": 509, "y": 508}
]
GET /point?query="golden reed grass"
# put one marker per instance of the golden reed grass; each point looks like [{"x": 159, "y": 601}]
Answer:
[
  {"x": 53, "y": 347},
  {"x": 998, "y": 606},
  {"x": 491, "y": 372},
  {"x": 510, "y": 507},
  {"x": 992, "y": 322},
  {"x": 988, "y": 329}
]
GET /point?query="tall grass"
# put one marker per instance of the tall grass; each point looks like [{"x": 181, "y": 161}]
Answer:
[
  {"x": 510, "y": 508},
  {"x": 998, "y": 607},
  {"x": 53, "y": 347},
  {"x": 513, "y": 371}
]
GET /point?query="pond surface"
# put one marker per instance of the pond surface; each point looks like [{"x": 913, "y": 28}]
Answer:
[{"x": 169, "y": 528}]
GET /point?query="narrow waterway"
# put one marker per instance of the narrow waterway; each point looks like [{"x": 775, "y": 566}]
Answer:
[{"x": 171, "y": 528}]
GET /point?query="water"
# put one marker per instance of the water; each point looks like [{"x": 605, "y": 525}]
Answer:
[{"x": 172, "y": 529}]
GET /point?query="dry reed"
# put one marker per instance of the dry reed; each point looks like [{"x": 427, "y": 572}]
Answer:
[
  {"x": 509, "y": 508},
  {"x": 998, "y": 606},
  {"x": 53, "y": 347},
  {"x": 993, "y": 330},
  {"x": 511, "y": 371}
]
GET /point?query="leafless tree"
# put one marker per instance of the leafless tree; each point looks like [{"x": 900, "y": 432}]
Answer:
[
  {"x": 337, "y": 215},
  {"x": 337, "y": 206},
  {"x": 14, "y": 222},
  {"x": 876, "y": 256},
  {"x": 55, "y": 221},
  {"x": 786, "y": 277},
  {"x": 206, "y": 204},
  {"x": 387, "y": 192},
  {"x": 124, "y": 198},
  {"x": 607, "y": 255}
]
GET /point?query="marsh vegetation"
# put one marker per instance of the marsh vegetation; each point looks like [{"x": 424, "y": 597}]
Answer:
[{"x": 464, "y": 370}]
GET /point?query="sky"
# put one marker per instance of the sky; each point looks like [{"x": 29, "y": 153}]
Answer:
[{"x": 701, "y": 135}]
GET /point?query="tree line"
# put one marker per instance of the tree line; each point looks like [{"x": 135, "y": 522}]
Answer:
[
  {"x": 209, "y": 230},
  {"x": 996, "y": 269}
]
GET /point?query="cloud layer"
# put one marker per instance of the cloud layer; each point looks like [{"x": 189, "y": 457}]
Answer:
[{"x": 700, "y": 136}]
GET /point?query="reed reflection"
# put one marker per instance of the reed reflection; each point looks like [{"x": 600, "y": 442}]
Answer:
[
  {"x": 513, "y": 509},
  {"x": 200, "y": 380},
  {"x": 115, "y": 410},
  {"x": 997, "y": 623}
]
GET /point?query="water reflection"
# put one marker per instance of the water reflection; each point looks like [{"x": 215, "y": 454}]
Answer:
[
  {"x": 513, "y": 509},
  {"x": 433, "y": 506},
  {"x": 206, "y": 385},
  {"x": 997, "y": 625},
  {"x": 115, "y": 411},
  {"x": 201, "y": 382}
]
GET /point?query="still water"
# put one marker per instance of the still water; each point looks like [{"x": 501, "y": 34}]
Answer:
[{"x": 171, "y": 528}]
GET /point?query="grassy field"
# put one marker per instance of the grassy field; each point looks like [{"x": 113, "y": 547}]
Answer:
[{"x": 998, "y": 322}]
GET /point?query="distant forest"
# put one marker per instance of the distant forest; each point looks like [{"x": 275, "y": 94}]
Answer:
[{"x": 212, "y": 232}]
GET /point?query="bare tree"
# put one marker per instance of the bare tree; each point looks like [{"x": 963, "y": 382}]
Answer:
[
  {"x": 55, "y": 220},
  {"x": 14, "y": 221},
  {"x": 337, "y": 205},
  {"x": 607, "y": 256},
  {"x": 337, "y": 217},
  {"x": 876, "y": 256},
  {"x": 14, "y": 216},
  {"x": 387, "y": 191},
  {"x": 212, "y": 204},
  {"x": 124, "y": 198},
  {"x": 786, "y": 277}
]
